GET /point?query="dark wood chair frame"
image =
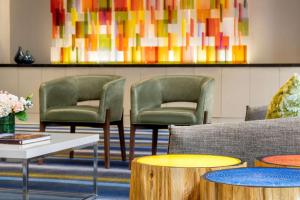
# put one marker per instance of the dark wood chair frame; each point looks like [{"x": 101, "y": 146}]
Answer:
[
  {"x": 155, "y": 129},
  {"x": 106, "y": 130}
]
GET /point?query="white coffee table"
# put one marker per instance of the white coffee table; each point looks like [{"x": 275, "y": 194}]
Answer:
[{"x": 58, "y": 142}]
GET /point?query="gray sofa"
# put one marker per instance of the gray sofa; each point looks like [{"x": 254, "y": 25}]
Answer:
[{"x": 245, "y": 140}]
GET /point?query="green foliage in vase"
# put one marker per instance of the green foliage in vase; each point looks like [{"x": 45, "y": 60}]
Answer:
[{"x": 286, "y": 102}]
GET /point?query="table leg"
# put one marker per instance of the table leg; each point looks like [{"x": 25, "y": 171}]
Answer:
[
  {"x": 25, "y": 179},
  {"x": 95, "y": 175}
]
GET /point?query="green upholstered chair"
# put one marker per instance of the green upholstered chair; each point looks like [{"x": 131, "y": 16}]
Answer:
[
  {"x": 148, "y": 96},
  {"x": 59, "y": 105}
]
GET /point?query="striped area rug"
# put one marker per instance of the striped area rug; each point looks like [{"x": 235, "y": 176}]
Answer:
[{"x": 69, "y": 179}]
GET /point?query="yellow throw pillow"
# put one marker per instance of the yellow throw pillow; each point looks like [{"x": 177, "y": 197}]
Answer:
[{"x": 286, "y": 102}]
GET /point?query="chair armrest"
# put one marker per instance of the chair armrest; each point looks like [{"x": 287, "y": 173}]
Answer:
[
  {"x": 112, "y": 98},
  {"x": 205, "y": 100},
  {"x": 144, "y": 95},
  {"x": 60, "y": 92}
]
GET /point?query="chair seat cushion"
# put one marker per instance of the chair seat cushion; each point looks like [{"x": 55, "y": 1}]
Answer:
[
  {"x": 167, "y": 116},
  {"x": 82, "y": 113}
]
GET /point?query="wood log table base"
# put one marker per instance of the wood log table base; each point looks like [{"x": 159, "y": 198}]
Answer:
[
  {"x": 289, "y": 161},
  {"x": 172, "y": 177},
  {"x": 252, "y": 184}
]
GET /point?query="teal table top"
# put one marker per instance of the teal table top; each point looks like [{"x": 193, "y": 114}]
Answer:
[{"x": 257, "y": 177}]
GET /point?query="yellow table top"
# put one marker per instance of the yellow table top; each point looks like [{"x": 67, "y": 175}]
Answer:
[{"x": 189, "y": 160}]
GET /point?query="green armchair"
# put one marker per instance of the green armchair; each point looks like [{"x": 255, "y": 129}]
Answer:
[
  {"x": 59, "y": 105},
  {"x": 148, "y": 96}
]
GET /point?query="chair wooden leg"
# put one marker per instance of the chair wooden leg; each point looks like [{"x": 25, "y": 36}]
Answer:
[
  {"x": 72, "y": 130},
  {"x": 42, "y": 127},
  {"x": 131, "y": 145},
  {"x": 154, "y": 140},
  {"x": 205, "y": 118},
  {"x": 122, "y": 139},
  {"x": 107, "y": 140}
]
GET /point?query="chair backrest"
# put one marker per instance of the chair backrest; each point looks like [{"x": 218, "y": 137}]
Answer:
[
  {"x": 73, "y": 89},
  {"x": 68, "y": 91},
  {"x": 181, "y": 88},
  {"x": 89, "y": 87}
]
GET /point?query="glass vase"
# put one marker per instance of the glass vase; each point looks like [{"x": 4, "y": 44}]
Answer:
[{"x": 7, "y": 124}]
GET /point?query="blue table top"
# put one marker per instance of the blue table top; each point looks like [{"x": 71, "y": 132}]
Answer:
[{"x": 257, "y": 177}]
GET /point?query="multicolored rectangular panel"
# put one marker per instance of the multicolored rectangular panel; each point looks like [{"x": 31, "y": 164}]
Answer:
[{"x": 149, "y": 31}]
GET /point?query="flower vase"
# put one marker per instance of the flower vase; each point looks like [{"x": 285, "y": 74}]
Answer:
[{"x": 7, "y": 124}]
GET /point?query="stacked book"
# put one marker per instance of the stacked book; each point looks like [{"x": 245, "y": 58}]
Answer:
[{"x": 23, "y": 139}]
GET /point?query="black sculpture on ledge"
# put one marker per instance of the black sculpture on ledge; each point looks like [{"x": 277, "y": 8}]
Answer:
[{"x": 22, "y": 58}]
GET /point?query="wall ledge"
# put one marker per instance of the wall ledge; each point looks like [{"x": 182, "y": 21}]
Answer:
[{"x": 155, "y": 65}]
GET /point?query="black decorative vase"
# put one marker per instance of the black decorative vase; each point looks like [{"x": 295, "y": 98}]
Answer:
[
  {"x": 28, "y": 59},
  {"x": 24, "y": 58},
  {"x": 19, "y": 56}
]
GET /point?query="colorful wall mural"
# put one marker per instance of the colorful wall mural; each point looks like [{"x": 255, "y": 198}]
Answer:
[{"x": 149, "y": 31}]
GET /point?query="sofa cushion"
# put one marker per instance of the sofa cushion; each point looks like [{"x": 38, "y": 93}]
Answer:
[
  {"x": 82, "y": 113},
  {"x": 256, "y": 113},
  {"x": 286, "y": 102},
  {"x": 168, "y": 116}
]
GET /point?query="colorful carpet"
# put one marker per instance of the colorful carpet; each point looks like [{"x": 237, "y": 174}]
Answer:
[{"x": 69, "y": 179}]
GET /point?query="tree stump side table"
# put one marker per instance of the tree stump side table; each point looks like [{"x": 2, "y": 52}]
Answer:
[
  {"x": 289, "y": 161},
  {"x": 253, "y": 183},
  {"x": 172, "y": 177}
]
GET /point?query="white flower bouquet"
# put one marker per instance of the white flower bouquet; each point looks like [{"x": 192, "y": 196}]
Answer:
[{"x": 11, "y": 104}]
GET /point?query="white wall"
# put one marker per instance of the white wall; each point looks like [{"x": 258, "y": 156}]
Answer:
[
  {"x": 31, "y": 28},
  {"x": 4, "y": 31},
  {"x": 274, "y": 29}
]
